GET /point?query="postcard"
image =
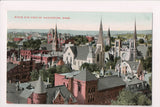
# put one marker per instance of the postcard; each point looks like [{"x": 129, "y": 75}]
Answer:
[{"x": 87, "y": 58}]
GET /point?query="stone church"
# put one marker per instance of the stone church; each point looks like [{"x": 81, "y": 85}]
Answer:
[{"x": 77, "y": 55}]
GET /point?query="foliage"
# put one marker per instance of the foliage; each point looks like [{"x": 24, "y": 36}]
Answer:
[
  {"x": 107, "y": 48},
  {"x": 12, "y": 45},
  {"x": 89, "y": 67},
  {"x": 127, "y": 97},
  {"x": 32, "y": 44},
  {"x": 112, "y": 62},
  {"x": 49, "y": 73},
  {"x": 79, "y": 39},
  {"x": 149, "y": 52},
  {"x": 63, "y": 69},
  {"x": 150, "y": 83},
  {"x": 147, "y": 64},
  {"x": 34, "y": 75},
  {"x": 141, "y": 41}
]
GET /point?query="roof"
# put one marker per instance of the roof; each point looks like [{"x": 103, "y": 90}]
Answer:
[
  {"x": 85, "y": 75},
  {"x": 71, "y": 74},
  {"x": 109, "y": 82},
  {"x": 46, "y": 46},
  {"x": 143, "y": 49},
  {"x": 60, "y": 62},
  {"x": 13, "y": 96},
  {"x": 80, "y": 52},
  {"x": 10, "y": 66},
  {"x": 55, "y": 91},
  {"x": 40, "y": 87},
  {"x": 134, "y": 81}
]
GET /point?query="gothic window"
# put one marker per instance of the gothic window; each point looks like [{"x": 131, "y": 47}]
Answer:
[
  {"x": 116, "y": 44},
  {"x": 132, "y": 45},
  {"x": 97, "y": 57}
]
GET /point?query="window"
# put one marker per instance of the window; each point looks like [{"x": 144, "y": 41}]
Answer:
[
  {"x": 79, "y": 87},
  {"x": 97, "y": 57},
  {"x": 68, "y": 53}
]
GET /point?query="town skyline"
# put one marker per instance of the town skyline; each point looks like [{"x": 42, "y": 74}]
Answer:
[{"x": 77, "y": 20}]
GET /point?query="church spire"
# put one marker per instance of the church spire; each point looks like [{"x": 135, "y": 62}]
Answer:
[
  {"x": 109, "y": 34},
  {"x": 135, "y": 32},
  {"x": 100, "y": 38}
]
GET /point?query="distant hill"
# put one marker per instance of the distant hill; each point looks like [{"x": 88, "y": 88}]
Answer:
[{"x": 78, "y": 32}]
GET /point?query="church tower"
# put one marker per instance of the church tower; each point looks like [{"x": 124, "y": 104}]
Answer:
[
  {"x": 50, "y": 36},
  {"x": 133, "y": 46},
  {"x": 55, "y": 40},
  {"x": 108, "y": 40},
  {"x": 100, "y": 52},
  {"x": 135, "y": 40},
  {"x": 40, "y": 94}
]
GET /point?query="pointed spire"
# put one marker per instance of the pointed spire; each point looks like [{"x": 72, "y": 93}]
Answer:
[
  {"x": 109, "y": 34},
  {"x": 40, "y": 87},
  {"x": 135, "y": 32},
  {"x": 100, "y": 38}
]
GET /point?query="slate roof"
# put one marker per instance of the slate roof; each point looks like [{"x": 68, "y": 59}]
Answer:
[
  {"x": 21, "y": 96},
  {"x": 85, "y": 75},
  {"x": 109, "y": 82},
  {"x": 143, "y": 49},
  {"x": 40, "y": 87},
  {"x": 71, "y": 74},
  {"x": 13, "y": 96},
  {"x": 134, "y": 81},
  {"x": 46, "y": 46},
  {"x": 55, "y": 91},
  {"x": 80, "y": 52},
  {"x": 10, "y": 66}
]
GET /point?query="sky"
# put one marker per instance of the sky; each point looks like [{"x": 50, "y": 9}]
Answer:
[{"x": 87, "y": 21}]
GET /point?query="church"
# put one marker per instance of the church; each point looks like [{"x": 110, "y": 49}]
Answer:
[{"x": 77, "y": 55}]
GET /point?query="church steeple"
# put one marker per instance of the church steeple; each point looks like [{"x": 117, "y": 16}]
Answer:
[
  {"x": 109, "y": 34},
  {"x": 100, "y": 38},
  {"x": 135, "y": 32},
  {"x": 55, "y": 39}
]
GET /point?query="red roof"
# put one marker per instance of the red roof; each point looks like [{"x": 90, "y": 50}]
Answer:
[{"x": 60, "y": 62}]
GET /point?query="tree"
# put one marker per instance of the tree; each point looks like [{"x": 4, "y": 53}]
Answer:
[
  {"x": 63, "y": 69},
  {"x": 32, "y": 44},
  {"x": 12, "y": 45},
  {"x": 34, "y": 75},
  {"x": 141, "y": 41},
  {"x": 127, "y": 97},
  {"x": 107, "y": 48},
  {"x": 90, "y": 67},
  {"x": 147, "y": 64}
]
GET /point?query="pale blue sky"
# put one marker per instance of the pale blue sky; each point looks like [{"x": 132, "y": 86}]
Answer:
[{"x": 80, "y": 20}]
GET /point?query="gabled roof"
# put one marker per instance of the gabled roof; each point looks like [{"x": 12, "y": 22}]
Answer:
[
  {"x": 40, "y": 87},
  {"x": 80, "y": 52},
  {"x": 109, "y": 82},
  {"x": 85, "y": 75},
  {"x": 55, "y": 91}
]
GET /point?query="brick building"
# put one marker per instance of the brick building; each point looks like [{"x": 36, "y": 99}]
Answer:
[
  {"x": 87, "y": 88},
  {"x": 21, "y": 71}
]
